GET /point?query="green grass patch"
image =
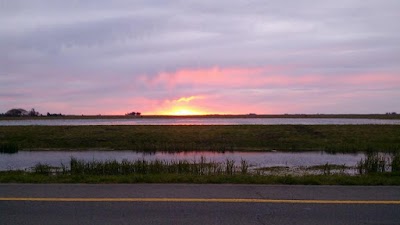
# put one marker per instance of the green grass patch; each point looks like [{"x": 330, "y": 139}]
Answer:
[
  {"x": 381, "y": 179},
  {"x": 333, "y": 138},
  {"x": 330, "y": 166}
]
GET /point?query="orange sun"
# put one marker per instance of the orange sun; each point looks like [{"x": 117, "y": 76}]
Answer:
[
  {"x": 183, "y": 111},
  {"x": 184, "y": 106}
]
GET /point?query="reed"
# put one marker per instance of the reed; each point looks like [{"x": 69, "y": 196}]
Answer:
[
  {"x": 43, "y": 169},
  {"x": 201, "y": 167},
  {"x": 373, "y": 163},
  {"x": 229, "y": 167},
  {"x": 244, "y": 166},
  {"x": 327, "y": 169}
]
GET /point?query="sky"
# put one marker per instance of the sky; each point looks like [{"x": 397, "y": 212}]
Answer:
[{"x": 200, "y": 57}]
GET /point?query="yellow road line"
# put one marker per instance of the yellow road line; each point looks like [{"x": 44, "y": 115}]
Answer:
[{"x": 218, "y": 200}]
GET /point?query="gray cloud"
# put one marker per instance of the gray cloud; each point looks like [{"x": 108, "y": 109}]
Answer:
[{"x": 84, "y": 50}]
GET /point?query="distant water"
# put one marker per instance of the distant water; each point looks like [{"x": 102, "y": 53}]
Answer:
[
  {"x": 197, "y": 121},
  {"x": 27, "y": 159}
]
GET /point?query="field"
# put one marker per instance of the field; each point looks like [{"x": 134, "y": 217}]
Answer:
[
  {"x": 333, "y": 138},
  {"x": 292, "y": 116},
  {"x": 149, "y": 138},
  {"x": 338, "y": 179}
]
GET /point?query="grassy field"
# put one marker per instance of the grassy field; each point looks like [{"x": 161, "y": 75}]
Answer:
[
  {"x": 342, "y": 138},
  {"x": 370, "y": 179}
]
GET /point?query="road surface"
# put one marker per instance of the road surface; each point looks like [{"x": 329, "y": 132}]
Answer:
[{"x": 197, "y": 204}]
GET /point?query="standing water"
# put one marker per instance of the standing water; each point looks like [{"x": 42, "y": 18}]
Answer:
[
  {"x": 27, "y": 159},
  {"x": 197, "y": 121}
]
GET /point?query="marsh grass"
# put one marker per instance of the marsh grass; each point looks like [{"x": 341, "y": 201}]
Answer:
[
  {"x": 244, "y": 166},
  {"x": 44, "y": 169},
  {"x": 374, "y": 163},
  {"x": 196, "y": 171},
  {"x": 126, "y": 167}
]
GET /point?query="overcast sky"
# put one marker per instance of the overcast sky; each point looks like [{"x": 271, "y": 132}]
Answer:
[{"x": 226, "y": 56}]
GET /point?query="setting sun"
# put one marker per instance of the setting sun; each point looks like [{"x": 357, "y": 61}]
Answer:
[
  {"x": 183, "y": 106},
  {"x": 183, "y": 111}
]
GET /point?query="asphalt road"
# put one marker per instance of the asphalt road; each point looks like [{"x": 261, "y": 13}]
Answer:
[{"x": 197, "y": 204}]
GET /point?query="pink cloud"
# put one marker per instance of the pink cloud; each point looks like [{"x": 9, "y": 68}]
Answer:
[
  {"x": 376, "y": 79},
  {"x": 215, "y": 76},
  {"x": 263, "y": 77},
  {"x": 278, "y": 89},
  {"x": 188, "y": 99},
  {"x": 219, "y": 91}
]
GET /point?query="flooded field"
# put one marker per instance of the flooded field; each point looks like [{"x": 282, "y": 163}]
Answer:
[
  {"x": 197, "y": 121},
  {"x": 27, "y": 159}
]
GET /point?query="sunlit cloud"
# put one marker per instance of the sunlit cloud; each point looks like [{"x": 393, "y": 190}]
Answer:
[
  {"x": 188, "y": 99},
  {"x": 259, "y": 77}
]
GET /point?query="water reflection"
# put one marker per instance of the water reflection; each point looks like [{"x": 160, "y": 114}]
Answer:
[{"x": 27, "y": 159}]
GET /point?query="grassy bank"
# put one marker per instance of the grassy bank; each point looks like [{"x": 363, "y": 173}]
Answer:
[
  {"x": 371, "y": 179},
  {"x": 200, "y": 171},
  {"x": 343, "y": 138}
]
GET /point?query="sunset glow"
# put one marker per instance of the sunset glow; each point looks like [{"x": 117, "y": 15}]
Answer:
[
  {"x": 182, "y": 106},
  {"x": 209, "y": 57},
  {"x": 184, "y": 112},
  {"x": 180, "y": 111}
]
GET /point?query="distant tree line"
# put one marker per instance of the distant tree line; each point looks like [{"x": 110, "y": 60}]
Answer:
[
  {"x": 54, "y": 114},
  {"x": 18, "y": 112}
]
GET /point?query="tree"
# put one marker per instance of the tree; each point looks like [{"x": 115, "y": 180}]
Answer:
[
  {"x": 16, "y": 112},
  {"x": 33, "y": 112}
]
